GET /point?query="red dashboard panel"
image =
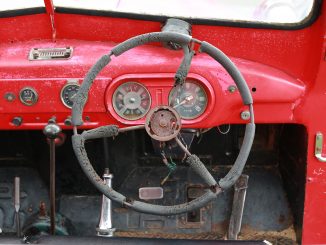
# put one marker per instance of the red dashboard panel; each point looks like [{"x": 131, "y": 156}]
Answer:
[{"x": 276, "y": 94}]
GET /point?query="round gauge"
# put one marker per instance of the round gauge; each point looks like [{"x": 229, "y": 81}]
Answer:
[
  {"x": 189, "y": 100},
  {"x": 28, "y": 96},
  {"x": 131, "y": 101},
  {"x": 68, "y": 94}
]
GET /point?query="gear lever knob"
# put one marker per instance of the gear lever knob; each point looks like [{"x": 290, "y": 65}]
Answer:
[{"x": 52, "y": 129}]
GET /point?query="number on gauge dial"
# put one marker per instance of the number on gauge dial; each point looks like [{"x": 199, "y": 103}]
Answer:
[
  {"x": 131, "y": 101},
  {"x": 190, "y": 100}
]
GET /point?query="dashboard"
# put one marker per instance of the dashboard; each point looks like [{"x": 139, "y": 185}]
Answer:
[{"x": 34, "y": 91}]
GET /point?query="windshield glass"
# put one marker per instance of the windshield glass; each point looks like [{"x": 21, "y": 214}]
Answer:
[
  {"x": 266, "y": 11},
  {"x": 20, "y": 4}
]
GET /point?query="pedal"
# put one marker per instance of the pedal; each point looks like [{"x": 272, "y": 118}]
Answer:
[{"x": 240, "y": 190}]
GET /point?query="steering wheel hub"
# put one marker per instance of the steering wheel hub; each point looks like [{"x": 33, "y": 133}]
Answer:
[{"x": 163, "y": 123}]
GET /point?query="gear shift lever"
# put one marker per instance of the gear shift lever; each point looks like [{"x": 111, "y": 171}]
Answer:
[{"x": 52, "y": 130}]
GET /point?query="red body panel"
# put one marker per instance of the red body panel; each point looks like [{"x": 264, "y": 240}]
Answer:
[{"x": 286, "y": 67}]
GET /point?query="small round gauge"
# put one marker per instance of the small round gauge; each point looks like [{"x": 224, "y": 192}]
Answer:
[
  {"x": 189, "y": 100},
  {"x": 131, "y": 101},
  {"x": 68, "y": 94},
  {"x": 28, "y": 96}
]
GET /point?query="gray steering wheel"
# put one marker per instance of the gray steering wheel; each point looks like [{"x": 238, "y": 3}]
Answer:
[{"x": 78, "y": 140}]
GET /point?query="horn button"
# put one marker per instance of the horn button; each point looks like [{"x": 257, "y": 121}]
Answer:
[{"x": 163, "y": 123}]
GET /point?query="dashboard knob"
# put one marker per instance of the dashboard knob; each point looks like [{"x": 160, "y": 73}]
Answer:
[
  {"x": 17, "y": 121},
  {"x": 68, "y": 121}
]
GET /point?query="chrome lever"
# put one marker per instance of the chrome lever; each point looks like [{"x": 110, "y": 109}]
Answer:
[
  {"x": 17, "y": 204},
  {"x": 105, "y": 225},
  {"x": 319, "y": 147}
]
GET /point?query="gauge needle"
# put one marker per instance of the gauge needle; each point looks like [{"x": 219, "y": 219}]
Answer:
[{"x": 185, "y": 100}]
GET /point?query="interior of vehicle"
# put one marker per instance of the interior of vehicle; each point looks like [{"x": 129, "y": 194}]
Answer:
[{"x": 153, "y": 122}]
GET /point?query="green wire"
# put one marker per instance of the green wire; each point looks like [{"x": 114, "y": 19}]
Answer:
[{"x": 172, "y": 166}]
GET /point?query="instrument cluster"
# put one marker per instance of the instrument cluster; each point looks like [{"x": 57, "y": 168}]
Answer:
[{"x": 131, "y": 100}]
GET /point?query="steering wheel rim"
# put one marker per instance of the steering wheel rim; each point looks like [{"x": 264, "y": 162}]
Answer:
[{"x": 78, "y": 140}]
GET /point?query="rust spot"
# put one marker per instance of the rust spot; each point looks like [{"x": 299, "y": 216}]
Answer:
[
  {"x": 281, "y": 219},
  {"x": 120, "y": 210},
  {"x": 154, "y": 224},
  {"x": 129, "y": 200},
  {"x": 221, "y": 227},
  {"x": 214, "y": 188},
  {"x": 190, "y": 236},
  {"x": 42, "y": 209}
]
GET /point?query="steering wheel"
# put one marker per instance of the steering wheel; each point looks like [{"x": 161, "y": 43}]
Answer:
[{"x": 163, "y": 129}]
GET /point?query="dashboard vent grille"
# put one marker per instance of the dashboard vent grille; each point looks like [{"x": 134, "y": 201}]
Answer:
[{"x": 50, "y": 53}]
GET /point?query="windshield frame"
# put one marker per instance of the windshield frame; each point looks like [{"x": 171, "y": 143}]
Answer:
[{"x": 22, "y": 12}]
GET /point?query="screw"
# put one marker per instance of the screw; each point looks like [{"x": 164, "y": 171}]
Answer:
[
  {"x": 245, "y": 115},
  {"x": 10, "y": 97},
  {"x": 232, "y": 88}
]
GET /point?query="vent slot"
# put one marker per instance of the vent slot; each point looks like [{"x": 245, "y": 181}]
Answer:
[{"x": 50, "y": 53}]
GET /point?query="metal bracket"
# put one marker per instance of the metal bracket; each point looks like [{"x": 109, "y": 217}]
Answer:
[{"x": 319, "y": 147}]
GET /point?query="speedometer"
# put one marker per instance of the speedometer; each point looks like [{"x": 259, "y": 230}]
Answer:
[
  {"x": 189, "y": 100},
  {"x": 131, "y": 101}
]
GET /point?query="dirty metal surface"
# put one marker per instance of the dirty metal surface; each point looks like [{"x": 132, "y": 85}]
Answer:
[
  {"x": 32, "y": 192},
  {"x": 276, "y": 238},
  {"x": 211, "y": 221}
]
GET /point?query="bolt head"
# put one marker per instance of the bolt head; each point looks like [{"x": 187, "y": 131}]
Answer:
[
  {"x": 232, "y": 88},
  {"x": 245, "y": 115}
]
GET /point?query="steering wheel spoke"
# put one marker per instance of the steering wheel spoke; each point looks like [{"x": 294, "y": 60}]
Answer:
[{"x": 101, "y": 132}]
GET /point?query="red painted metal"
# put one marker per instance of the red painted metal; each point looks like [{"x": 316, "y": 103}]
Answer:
[
  {"x": 50, "y": 11},
  {"x": 286, "y": 67},
  {"x": 224, "y": 107}
]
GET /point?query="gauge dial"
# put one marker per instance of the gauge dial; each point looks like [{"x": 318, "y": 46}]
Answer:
[
  {"x": 68, "y": 94},
  {"x": 28, "y": 96},
  {"x": 131, "y": 101},
  {"x": 189, "y": 100}
]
